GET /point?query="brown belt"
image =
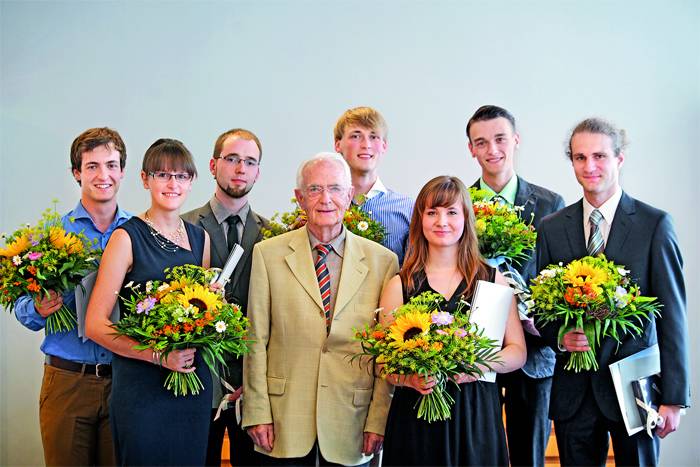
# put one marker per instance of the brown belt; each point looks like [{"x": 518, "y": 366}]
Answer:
[{"x": 101, "y": 369}]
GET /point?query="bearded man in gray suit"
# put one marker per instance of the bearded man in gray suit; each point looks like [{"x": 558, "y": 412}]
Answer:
[
  {"x": 642, "y": 239},
  {"x": 229, "y": 220}
]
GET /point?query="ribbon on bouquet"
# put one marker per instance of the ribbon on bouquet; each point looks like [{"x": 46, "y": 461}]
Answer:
[
  {"x": 653, "y": 418},
  {"x": 225, "y": 403},
  {"x": 516, "y": 282}
]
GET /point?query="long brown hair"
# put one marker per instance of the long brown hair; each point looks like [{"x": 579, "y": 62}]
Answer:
[{"x": 443, "y": 191}]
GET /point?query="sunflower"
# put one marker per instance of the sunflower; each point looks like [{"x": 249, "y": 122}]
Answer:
[
  {"x": 580, "y": 274},
  {"x": 200, "y": 297},
  {"x": 65, "y": 241},
  {"x": 409, "y": 325},
  {"x": 15, "y": 247}
]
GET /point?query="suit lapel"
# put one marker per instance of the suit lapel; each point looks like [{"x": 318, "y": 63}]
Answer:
[
  {"x": 352, "y": 273},
  {"x": 216, "y": 237},
  {"x": 621, "y": 225},
  {"x": 301, "y": 265},
  {"x": 574, "y": 231},
  {"x": 526, "y": 198},
  {"x": 251, "y": 230}
]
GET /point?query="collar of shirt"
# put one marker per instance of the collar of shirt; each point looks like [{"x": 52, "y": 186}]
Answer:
[
  {"x": 79, "y": 220},
  {"x": 607, "y": 209},
  {"x": 338, "y": 243},
  {"x": 221, "y": 213},
  {"x": 376, "y": 189},
  {"x": 508, "y": 192},
  {"x": 79, "y": 212}
]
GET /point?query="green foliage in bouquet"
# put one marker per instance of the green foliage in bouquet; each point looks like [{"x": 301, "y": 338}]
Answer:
[
  {"x": 426, "y": 341},
  {"x": 42, "y": 258},
  {"x": 500, "y": 229},
  {"x": 593, "y": 294},
  {"x": 181, "y": 313}
]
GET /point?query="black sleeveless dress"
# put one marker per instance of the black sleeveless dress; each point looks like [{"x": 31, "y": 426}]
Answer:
[
  {"x": 151, "y": 426},
  {"x": 473, "y": 436}
]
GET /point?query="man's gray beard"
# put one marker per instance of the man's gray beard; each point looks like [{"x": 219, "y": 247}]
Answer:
[{"x": 233, "y": 193}]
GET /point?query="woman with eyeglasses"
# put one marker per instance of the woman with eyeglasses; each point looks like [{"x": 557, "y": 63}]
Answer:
[
  {"x": 150, "y": 425},
  {"x": 443, "y": 257}
]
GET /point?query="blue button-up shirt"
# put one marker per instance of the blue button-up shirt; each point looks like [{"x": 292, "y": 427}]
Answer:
[{"x": 68, "y": 345}]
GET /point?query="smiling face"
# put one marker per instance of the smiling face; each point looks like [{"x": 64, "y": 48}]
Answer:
[
  {"x": 493, "y": 144},
  {"x": 167, "y": 194},
  {"x": 443, "y": 226},
  {"x": 100, "y": 175},
  {"x": 325, "y": 196},
  {"x": 595, "y": 165},
  {"x": 236, "y": 168},
  {"x": 362, "y": 148}
]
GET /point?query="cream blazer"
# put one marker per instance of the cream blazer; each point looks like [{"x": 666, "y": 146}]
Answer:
[{"x": 295, "y": 376}]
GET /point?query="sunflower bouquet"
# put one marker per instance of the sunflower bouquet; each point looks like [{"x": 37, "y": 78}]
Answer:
[
  {"x": 181, "y": 313},
  {"x": 42, "y": 258},
  {"x": 593, "y": 294},
  {"x": 432, "y": 343},
  {"x": 356, "y": 221},
  {"x": 501, "y": 231}
]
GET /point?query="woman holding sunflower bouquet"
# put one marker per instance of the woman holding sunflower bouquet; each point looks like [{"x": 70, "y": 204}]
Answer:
[
  {"x": 150, "y": 425},
  {"x": 443, "y": 257}
]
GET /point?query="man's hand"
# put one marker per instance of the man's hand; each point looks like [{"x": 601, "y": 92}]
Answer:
[
  {"x": 263, "y": 435},
  {"x": 45, "y": 305},
  {"x": 372, "y": 443},
  {"x": 671, "y": 418},
  {"x": 575, "y": 341}
]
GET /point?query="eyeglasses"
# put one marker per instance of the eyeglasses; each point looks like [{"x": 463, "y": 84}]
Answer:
[
  {"x": 314, "y": 191},
  {"x": 164, "y": 177},
  {"x": 235, "y": 160}
]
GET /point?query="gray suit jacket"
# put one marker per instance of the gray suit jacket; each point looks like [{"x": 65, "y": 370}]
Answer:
[
  {"x": 643, "y": 240},
  {"x": 537, "y": 202},
  {"x": 237, "y": 288}
]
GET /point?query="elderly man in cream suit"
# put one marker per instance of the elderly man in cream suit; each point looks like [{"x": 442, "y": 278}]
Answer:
[{"x": 303, "y": 399}]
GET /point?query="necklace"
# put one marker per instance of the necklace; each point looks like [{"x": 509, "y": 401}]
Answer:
[{"x": 169, "y": 242}]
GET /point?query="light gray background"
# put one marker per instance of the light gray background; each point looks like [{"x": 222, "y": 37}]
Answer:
[{"x": 287, "y": 70}]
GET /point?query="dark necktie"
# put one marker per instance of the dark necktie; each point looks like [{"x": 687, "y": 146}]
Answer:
[
  {"x": 595, "y": 238},
  {"x": 232, "y": 233},
  {"x": 324, "y": 281}
]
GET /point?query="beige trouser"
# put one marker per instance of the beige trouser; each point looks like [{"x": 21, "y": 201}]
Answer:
[{"x": 74, "y": 418}]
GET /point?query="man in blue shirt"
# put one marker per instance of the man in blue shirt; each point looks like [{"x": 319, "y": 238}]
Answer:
[
  {"x": 360, "y": 136},
  {"x": 493, "y": 141},
  {"x": 75, "y": 391}
]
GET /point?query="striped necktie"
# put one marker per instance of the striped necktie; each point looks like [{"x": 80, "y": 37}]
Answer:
[
  {"x": 595, "y": 238},
  {"x": 324, "y": 281}
]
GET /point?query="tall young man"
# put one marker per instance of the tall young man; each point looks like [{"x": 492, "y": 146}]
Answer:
[
  {"x": 607, "y": 220},
  {"x": 493, "y": 141},
  {"x": 361, "y": 137},
  {"x": 75, "y": 391},
  {"x": 229, "y": 220}
]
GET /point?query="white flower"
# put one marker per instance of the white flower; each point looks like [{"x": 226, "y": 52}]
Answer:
[
  {"x": 519, "y": 208},
  {"x": 362, "y": 226},
  {"x": 561, "y": 264},
  {"x": 620, "y": 297},
  {"x": 16, "y": 260},
  {"x": 163, "y": 287},
  {"x": 149, "y": 286},
  {"x": 548, "y": 273},
  {"x": 622, "y": 271},
  {"x": 220, "y": 326},
  {"x": 129, "y": 284}
]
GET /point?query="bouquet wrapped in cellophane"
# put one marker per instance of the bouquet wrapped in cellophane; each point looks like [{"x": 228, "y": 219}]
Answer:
[
  {"x": 181, "y": 313},
  {"x": 502, "y": 233},
  {"x": 593, "y": 294},
  {"x": 355, "y": 220},
  {"x": 42, "y": 258},
  {"x": 426, "y": 341}
]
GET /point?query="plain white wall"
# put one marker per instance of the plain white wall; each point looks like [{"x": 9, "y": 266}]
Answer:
[{"x": 287, "y": 69}]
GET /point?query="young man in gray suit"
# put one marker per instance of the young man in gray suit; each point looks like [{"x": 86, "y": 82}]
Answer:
[
  {"x": 229, "y": 219},
  {"x": 493, "y": 141},
  {"x": 640, "y": 238}
]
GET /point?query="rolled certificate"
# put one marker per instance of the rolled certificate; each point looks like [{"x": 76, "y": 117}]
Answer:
[{"x": 230, "y": 265}]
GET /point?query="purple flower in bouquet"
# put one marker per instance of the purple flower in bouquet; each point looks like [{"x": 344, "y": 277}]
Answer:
[
  {"x": 145, "y": 305},
  {"x": 441, "y": 332},
  {"x": 459, "y": 332},
  {"x": 34, "y": 255},
  {"x": 442, "y": 318}
]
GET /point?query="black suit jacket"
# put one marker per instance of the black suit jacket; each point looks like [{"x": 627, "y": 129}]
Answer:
[
  {"x": 237, "y": 288},
  {"x": 537, "y": 202},
  {"x": 643, "y": 240}
]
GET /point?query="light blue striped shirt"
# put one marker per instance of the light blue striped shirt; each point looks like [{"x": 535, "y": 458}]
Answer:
[{"x": 394, "y": 211}]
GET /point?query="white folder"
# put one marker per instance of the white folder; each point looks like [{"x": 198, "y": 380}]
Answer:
[{"x": 490, "y": 309}]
